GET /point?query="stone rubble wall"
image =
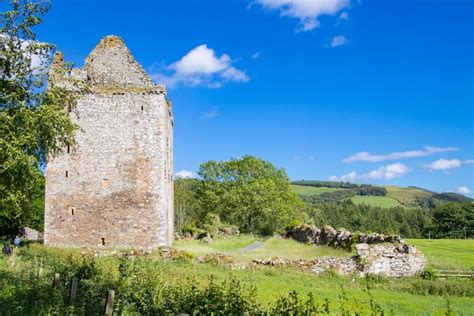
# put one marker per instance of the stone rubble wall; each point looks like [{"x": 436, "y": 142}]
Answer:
[
  {"x": 376, "y": 253},
  {"x": 341, "y": 238}
]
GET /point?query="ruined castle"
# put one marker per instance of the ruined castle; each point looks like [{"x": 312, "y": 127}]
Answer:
[{"x": 114, "y": 187}]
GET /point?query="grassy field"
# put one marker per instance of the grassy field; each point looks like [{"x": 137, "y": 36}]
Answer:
[
  {"x": 266, "y": 248},
  {"x": 308, "y": 190},
  {"x": 377, "y": 201},
  {"x": 395, "y": 296},
  {"x": 447, "y": 253},
  {"x": 407, "y": 195},
  {"x": 199, "y": 248}
]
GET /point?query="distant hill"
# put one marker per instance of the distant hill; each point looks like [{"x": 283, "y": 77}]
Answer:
[{"x": 381, "y": 196}]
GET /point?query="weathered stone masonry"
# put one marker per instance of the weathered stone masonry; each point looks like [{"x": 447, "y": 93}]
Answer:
[{"x": 115, "y": 187}]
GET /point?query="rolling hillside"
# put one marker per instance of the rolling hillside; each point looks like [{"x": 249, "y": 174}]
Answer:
[{"x": 395, "y": 196}]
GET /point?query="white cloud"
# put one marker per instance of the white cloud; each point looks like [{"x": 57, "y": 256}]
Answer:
[
  {"x": 427, "y": 151},
  {"x": 256, "y": 55},
  {"x": 387, "y": 172},
  {"x": 202, "y": 66},
  {"x": 468, "y": 162},
  {"x": 463, "y": 190},
  {"x": 351, "y": 176},
  {"x": 344, "y": 16},
  {"x": 444, "y": 164},
  {"x": 338, "y": 41},
  {"x": 210, "y": 114},
  {"x": 185, "y": 174},
  {"x": 306, "y": 11}
]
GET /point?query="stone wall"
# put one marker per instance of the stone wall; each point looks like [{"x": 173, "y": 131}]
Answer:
[
  {"x": 376, "y": 253},
  {"x": 341, "y": 238},
  {"x": 114, "y": 188}
]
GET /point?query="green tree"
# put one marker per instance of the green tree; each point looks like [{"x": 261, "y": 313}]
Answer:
[
  {"x": 250, "y": 193},
  {"x": 454, "y": 220},
  {"x": 34, "y": 118},
  {"x": 186, "y": 204}
]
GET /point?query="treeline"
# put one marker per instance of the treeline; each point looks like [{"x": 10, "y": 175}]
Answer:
[
  {"x": 327, "y": 184},
  {"x": 346, "y": 193},
  {"x": 448, "y": 220},
  {"x": 408, "y": 223},
  {"x": 254, "y": 196}
]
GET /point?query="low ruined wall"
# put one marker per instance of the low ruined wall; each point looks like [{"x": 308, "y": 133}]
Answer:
[
  {"x": 390, "y": 260},
  {"x": 377, "y": 254},
  {"x": 341, "y": 238}
]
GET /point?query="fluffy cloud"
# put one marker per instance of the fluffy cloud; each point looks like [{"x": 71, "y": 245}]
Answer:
[
  {"x": 463, "y": 190},
  {"x": 185, "y": 174},
  {"x": 351, "y": 176},
  {"x": 427, "y": 151},
  {"x": 444, "y": 164},
  {"x": 387, "y": 172},
  {"x": 338, "y": 41},
  {"x": 202, "y": 66},
  {"x": 468, "y": 162},
  {"x": 306, "y": 11}
]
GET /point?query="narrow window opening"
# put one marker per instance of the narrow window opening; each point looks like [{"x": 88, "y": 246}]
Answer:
[
  {"x": 72, "y": 211},
  {"x": 67, "y": 174},
  {"x": 103, "y": 241},
  {"x": 142, "y": 107},
  {"x": 68, "y": 149}
]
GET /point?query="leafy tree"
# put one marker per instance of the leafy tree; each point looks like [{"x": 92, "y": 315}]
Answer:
[
  {"x": 250, "y": 193},
  {"x": 34, "y": 118},
  {"x": 454, "y": 220},
  {"x": 186, "y": 204}
]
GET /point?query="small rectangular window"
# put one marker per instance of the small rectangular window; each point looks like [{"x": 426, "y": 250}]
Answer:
[
  {"x": 72, "y": 211},
  {"x": 67, "y": 174},
  {"x": 142, "y": 107},
  {"x": 68, "y": 149},
  {"x": 103, "y": 241},
  {"x": 105, "y": 183}
]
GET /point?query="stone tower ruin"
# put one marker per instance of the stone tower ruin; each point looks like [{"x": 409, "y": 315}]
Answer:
[{"x": 114, "y": 187}]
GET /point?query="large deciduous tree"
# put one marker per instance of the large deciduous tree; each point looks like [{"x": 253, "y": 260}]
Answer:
[
  {"x": 34, "y": 118},
  {"x": 250, "y": 193}
]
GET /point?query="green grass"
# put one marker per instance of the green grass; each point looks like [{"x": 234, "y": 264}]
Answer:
[
  {"x": 407, "y": 195},
  {"x": 308, "y": 190},
  {"x": 272, "y": 247},
  {"x": 447, "y": 253},
  {"x": 199, "y": 248},
  {"x": 289, "y": 249},
  {"x": 377, "y": 201},
  {"x": 270, "y": 283}
]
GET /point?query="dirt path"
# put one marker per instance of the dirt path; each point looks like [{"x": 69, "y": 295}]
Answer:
[{"x": 251, "y": 247}]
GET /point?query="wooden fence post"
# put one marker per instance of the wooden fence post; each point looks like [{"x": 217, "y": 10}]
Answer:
[
  {"x": 40, "y": 272},
  {"x": 56, "y": 280},
  {"x": 109, "y": 305},
  {"x": 72, "y": 294}
]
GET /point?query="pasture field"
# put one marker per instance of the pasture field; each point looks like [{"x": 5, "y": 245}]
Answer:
[
  {"x": 309, "y": 191},
  {"x": 264, "y": 248},
  {"x": 407, "y": 195},
  {"x": 448, "y": 254},
  {"x": 376, "y": 201},
  {"x": 139, "y": 277}
]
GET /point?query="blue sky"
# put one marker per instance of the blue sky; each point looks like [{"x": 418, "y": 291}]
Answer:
[{"x": 304, "y": 84}]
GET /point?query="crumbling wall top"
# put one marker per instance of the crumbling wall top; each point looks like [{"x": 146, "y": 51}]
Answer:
[{"x": 110, "y": 64}]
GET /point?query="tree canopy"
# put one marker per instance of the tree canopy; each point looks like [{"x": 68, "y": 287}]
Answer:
[
  {"x": 250, "y": 193},
  {"x": 34, "y": 118}
]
